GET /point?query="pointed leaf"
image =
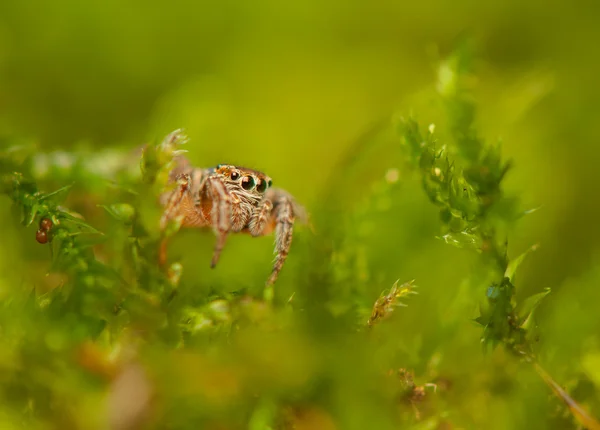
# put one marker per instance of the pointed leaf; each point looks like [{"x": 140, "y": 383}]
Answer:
[
  {"x": 120, "y": 211},
  {"x": 31, "y": 216},
  {"x": 526, "y": 308},
  {"x": 532, "y": 210},
  {"x": 481, "y": 320},
  {"x": 56, "y": 192},
  {"x": 513, "y": 265},
  {"x": 79, "y": 222}
]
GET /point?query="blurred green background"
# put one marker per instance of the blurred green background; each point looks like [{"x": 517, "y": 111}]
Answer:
[{"x": 290, "y": 88}]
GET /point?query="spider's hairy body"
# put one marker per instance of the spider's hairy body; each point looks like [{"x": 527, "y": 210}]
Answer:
[{"x": 231, "y": 199}]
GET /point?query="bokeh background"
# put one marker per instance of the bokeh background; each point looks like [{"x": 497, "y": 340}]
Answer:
[{"x": 290, "y": 89}]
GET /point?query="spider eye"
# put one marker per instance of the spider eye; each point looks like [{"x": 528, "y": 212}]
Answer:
[
  {"x": 262, "y": 186},
  {"x": 270, "y": 183},
  {"x": 247, "y": 182},
  {"x": 234, "y": 175}
]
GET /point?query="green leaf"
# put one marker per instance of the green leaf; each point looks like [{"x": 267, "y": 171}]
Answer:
[
  {"x": 591, "y": 366},
  {"x": 513, "y": 265},
  {"x": 123, "y": 212},
  {"x": 481, "y": 320},
  {"x": 263, "y": 416},
  {"x": 526, "y": 308},
  {"x": 56, "y": 192},
  {"x": 78, "y": 221},
  {"x": 31, "y": 216}
]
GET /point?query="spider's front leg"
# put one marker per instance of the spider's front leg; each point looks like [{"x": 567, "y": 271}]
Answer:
[
  {"x": 283, "y": 212},
  {"x": 178, "y": 204},
  {"x": 220, "y": 202}
]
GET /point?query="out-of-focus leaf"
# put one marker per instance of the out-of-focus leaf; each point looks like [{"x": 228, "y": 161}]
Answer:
[
  {"x": 514, "y": 264},
  {"x": 78, "y": 222},
  {"x": 591, "y": 366},
  {"x": 263, "y": 416},
  {"x": 123, "y": 212},
  {"x": 527, "y": 307},
  {"x": 57, "y": 192}
]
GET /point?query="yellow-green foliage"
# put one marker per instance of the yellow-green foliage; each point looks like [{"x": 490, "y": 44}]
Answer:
[{"x": 391, "y": 146}]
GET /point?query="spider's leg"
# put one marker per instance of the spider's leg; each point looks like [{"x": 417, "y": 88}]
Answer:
[
  {"x": 284, "y": 226},
  {"x": 181, "y": 165},
  {"x": 260, "y": 217},
  {"x": 220, "y": 214},
  {"x": 177, "y": 204},
  {"x": 178, "y": 201}
]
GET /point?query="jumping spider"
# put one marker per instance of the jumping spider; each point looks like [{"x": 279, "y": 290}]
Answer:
[{"x": 228, "y": 199}]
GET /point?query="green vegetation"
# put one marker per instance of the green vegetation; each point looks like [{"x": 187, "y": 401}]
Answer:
[{"x": 425, "y": 292}]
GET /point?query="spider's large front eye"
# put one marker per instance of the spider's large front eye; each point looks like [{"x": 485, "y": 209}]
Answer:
[
  {"x": 234, "y": 175},
  {"x": 262, "y": 186},
  {"x": 247, "y": 182}
]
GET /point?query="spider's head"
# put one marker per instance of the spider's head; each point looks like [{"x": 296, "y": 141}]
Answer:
[{"x": 241, "y": 178}]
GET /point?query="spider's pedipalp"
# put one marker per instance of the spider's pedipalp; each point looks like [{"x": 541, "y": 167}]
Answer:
[{"x": 260, "y": 217}]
